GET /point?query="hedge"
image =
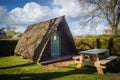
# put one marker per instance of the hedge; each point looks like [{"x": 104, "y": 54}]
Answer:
[
  {"x": 113, "y": 44},
  {"x": 85, "y": 43},
  {"x": 7, "y": 47}
]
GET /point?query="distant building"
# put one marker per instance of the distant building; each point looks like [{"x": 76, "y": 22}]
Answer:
[{"x": 109, "y": 31}]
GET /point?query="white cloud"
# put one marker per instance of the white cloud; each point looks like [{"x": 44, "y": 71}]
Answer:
[
  {"x": 73, "y": 9},
  {"x": 100, "y": 28},
  {"x": 69, "y": 8},
  {"x": 32, "y": 12},
  {"x": 76, "y": 31},
  {"x": 3, "y": 14},
  {"x": 20, "y": 28},
  {"x": 2, "y": 11}
]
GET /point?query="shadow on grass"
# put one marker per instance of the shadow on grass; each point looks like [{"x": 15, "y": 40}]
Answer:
[
  {"x": 86, "y": 70},
  {"x": 48, "y": 75},
  {"x": 116, "y": 68},
  {"x": 22, "y": 65}
]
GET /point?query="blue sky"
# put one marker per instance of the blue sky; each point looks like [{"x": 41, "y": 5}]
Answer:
[
  {"x": 11, "y": 4},
  {"x": 22, "y": 13}
]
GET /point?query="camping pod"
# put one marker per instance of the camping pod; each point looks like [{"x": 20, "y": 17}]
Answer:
[{"x": 47, "y": 41}]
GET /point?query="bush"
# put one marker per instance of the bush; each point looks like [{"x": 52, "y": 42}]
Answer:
[
  {"x": 115, "y": 49},
  {"x": 85, "y": 43},
  {"x": 7, "y": 47},
  {"x": 106, "y": 43}
]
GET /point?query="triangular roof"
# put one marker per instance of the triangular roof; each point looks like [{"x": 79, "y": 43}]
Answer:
[{"x": 35, "y": 39}]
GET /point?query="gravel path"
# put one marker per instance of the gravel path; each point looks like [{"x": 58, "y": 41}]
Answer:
[
  {"x": 58, "y": 65},
  {"x": 115, "y": 77}
]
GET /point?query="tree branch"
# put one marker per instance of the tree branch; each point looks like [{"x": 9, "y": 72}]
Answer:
[{"x": 105, "y": 13}]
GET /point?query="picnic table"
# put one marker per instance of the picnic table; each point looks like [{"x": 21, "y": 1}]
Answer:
[{"x": 98, "y": 58}]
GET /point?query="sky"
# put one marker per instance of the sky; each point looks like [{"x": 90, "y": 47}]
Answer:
[{"x": 22, "y": 13}]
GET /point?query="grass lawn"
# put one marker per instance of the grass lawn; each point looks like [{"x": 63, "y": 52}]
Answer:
[
  {"x": 8, "y": 33},
  {"x": 15, "y": 68}
]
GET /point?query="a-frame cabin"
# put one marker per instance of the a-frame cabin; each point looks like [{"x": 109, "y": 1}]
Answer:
[{"x": 47, "y": 41}]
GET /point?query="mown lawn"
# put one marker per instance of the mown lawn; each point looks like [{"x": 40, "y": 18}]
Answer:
[
  {"x": 15, "y": 68},
  {"x": 9, "y": 33}
]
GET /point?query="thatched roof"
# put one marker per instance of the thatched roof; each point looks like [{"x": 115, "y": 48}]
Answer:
[{"x": 36, "y": 35}]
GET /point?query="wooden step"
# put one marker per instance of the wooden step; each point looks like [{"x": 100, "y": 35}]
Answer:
[{"x": 62, "y": 58}]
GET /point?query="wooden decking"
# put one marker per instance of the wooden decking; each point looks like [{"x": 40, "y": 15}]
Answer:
[{"x": 62, "y": 58}]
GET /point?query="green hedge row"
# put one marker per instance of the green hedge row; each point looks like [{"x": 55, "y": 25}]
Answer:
[
  {"x": 7, "y": 47},
  {"x": 113, "y": 44}
]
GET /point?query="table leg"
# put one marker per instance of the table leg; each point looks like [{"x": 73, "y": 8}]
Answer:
[
  {"x": 100, "y": 70},
  {"x": 79, "y": 65}
]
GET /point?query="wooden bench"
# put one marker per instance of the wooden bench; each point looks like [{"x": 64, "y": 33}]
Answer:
[
  {"x": 107, "y": 60},
  {"x": 104, "y": 63},
  {"x": 76, "y": 59}
]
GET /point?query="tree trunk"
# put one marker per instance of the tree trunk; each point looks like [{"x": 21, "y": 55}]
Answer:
[{"x": 114, "y": 30}]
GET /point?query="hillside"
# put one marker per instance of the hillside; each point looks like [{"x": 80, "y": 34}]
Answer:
[{"x": 10, "y": 33}]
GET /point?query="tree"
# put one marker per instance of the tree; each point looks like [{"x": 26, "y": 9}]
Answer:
[
  {"x": 2, "y": 29},
  {"x": 107, "y": 9},
  {"x": 13, "y": 29},
  {"x": 9, "y": 28}
]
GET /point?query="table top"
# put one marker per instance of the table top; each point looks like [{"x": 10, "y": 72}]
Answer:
[{"x": 94, "y": 51}]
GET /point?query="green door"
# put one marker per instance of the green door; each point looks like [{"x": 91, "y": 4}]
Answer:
[{"x": 55, "y": 44}]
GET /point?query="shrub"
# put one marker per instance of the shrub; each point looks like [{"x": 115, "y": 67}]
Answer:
[
  {"x": 106, "y": 43},
  {"x": 115, "y": 49},
  {"x": 7, "y": 47},
  {"x": 85, "y": 43}
]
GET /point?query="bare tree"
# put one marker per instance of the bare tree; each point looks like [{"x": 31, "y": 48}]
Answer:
[
  {"x": 109, "y": 10},
  {"x": 9, "y": 28},
  {"x": 2, "y": 29},
  {"x": 13, "y": 29}
]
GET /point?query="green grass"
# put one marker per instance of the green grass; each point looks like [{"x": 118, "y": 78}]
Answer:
[
  {"x": 15, "y": 68},
  {"x": 9, "y": 33}
]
